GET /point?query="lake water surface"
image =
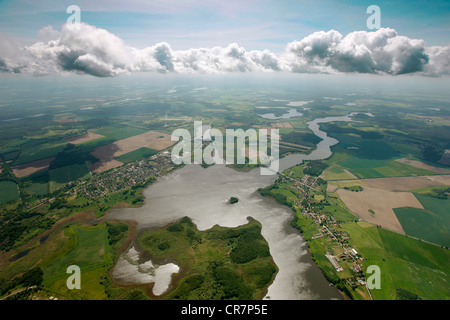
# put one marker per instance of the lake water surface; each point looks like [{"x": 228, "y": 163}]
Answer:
[{"x": 291, "y": 113}]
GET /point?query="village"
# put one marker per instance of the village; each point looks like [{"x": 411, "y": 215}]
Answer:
[
  {"x": 98, "y": 185},
  {"x": 339, "y": 252},
  {"x": 132, "y": 174}
]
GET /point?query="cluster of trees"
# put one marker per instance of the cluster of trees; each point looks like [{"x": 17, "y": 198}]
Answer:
[
  {"x": 314, "y": 168},
  {"x": 403, "y": 294},
  {"x": 231, "y": 283},
  {"x": 439, "y": 193},
  {"x": 249, "y": 245},
  {"x": 7, "y": 173},
  {"x": 116, "y": 232},
  {"x": 71, "y": 154},
  {"x": 354, "y": 188},
  {"x": 432, "y": 153},
  {"x": 14, "y": 226},
  {"x": 363, "y": 134},
  {"x": 217, "y": 283},
  {"x": 341, "y": 284},
  {"x": 277, "y": 196},
  {"x": 31, "y": 278},
  {"x": 301, "y": 138},
  {"x": 293, "y": 223}
]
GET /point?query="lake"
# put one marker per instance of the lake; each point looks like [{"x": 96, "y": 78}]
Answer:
[{"x": 203, "y": 193}]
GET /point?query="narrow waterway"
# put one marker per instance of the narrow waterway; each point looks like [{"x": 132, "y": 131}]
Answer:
[{"x": 203, "y": 194}]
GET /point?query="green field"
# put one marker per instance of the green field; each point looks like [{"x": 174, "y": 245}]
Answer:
[
  {"x": 405, "y": 263},
  {"x": 36, "y": 184},
  {"x": 372, "y": 168},
  {"x": 431, "y": 224},
  {"x": 38, "y": 189},
  {"x": 91, "y": 254},
  {"x": 136, "y": 155},
  {"x": 121, "y": 132},
  {"x": 33, "y": 151},
  {"x": 69, "y": 173},
  {"x": 8, "y": 191},
  {"x": 374, "y": 149},
  {"x": 336, "y": 172}
]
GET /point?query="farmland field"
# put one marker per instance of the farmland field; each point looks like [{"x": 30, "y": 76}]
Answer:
[
  {"x": 372, "y": 168},
  {"x": 107, "y": 153},
  {"x": 109, "y": 135},
  {"x": 422, "y": 165},
  {"x": 38, "y": 189},
  {"x": 407, "y": 183},
  {"x": 39, "y": 152},
  {"x": 431, "y": 223},
  {"x": 405, "y": 263},
  {"x": 29, "y": 168},
  {"x": 381, "y": 202},
  {"x": 336, "y": 172},
  {"x": 136, "y": 155},
  {"x": 91, "y": 254},
  {"x": 68, "y": 173},
  {"x": 415, "y": 251},
  {"x": 85, "y": 138},
  {"x": 118, "y": 133},
  {"x": 8, "y": 191}
]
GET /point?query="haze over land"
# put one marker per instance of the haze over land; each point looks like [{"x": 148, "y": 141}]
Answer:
[{"x": 87, "y": 177}]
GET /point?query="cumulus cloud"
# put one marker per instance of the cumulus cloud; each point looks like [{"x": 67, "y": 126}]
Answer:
[
  {"x": 90, "y": 50},
  {"x": 47, "y": 33},
  {"x": 11, "y": 52},
  {"x": 439, "y": 63},
  {"x": 381, "y": 51}
]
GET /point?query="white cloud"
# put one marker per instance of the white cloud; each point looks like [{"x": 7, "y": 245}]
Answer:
[
  {"x": 95, "y": 51},
  {"x": 381, "y": 51},
  {"x": 439, "y": 63},
  {"x": 48, "y": 33}
]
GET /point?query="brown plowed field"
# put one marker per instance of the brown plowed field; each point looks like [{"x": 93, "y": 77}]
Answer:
[
  {"x": 381, "y": 202},
  {"x": 26, "y": 169}
]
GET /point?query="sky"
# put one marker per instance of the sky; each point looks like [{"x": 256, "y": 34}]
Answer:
[{"x": 274, "y": 30}]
